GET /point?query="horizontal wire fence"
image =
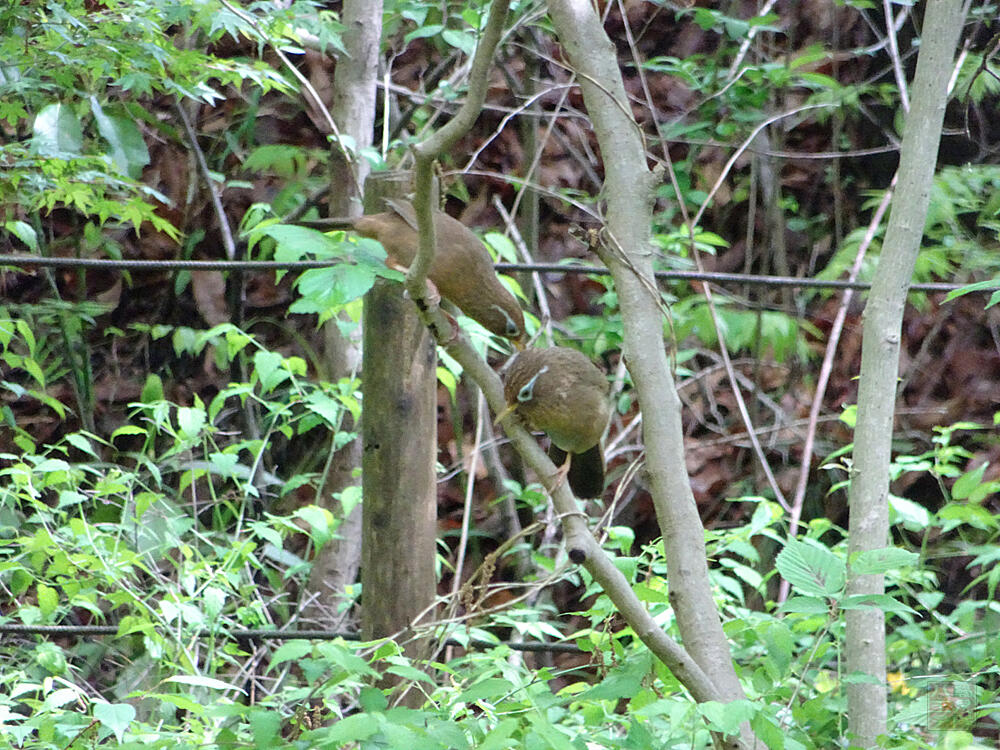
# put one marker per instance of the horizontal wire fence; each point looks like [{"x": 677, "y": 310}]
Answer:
[
  {"x": 52, "y": 631},
  {"x": 108, "y": 264}
]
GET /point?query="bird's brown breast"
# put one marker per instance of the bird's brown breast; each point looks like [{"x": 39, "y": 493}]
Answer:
[{"x": 561, "y": 392}]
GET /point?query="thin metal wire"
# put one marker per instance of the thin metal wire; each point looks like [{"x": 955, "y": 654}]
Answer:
[
  {"x": 276, "y": 635},
  {"x": 29, "y": 261}
]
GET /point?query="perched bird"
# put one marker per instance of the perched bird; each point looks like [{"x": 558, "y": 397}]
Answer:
[
  {"x": 462, "y": 270},
  {"x": 561, "y": 392}
]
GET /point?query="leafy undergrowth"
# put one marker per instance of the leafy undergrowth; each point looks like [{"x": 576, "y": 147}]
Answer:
[{"x": 158, "y": 530}]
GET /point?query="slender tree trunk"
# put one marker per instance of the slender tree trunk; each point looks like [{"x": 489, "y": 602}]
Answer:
[
  {"x": 628, "y": 190},
  {"x": 336, "y": 565},
  {"x": 869, "y": 511}
]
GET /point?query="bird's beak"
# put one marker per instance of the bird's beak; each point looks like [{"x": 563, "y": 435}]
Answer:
[{"x": 511, "y": 408}]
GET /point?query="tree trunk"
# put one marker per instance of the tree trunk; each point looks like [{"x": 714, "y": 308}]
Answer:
[
  {"x": 628, "y": 190},
  {"x": 869, "y": 510},
  {"x": 336, "y": 565},
  {"x": 399, "y": 434}
]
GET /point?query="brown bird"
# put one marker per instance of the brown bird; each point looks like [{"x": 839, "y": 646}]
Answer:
[
  {"x": 462, "y": 270},
  {"x": 562, "y": 393}
]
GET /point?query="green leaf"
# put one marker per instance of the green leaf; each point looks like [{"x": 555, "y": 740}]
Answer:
[
  {"x": 52, "y": 659},
  {"x": 407, "y": 672},
  {"x": 493, "y": 689},
  {"x": 877, "y": 601},
  {"x": 190, "y": 421},
  {"x": 320, "y": 522},
  {"x": 81, "y": 443},
  {"x": 875, "y": 561},
  {"x": 324, "y": 290},
  {"x": 201, "y": 681},
  {"x": 115, "y": 716},
  {"x": 267, "y": 366},
  {"x": 295, "y": 243},
  {"x": 424, "y": 31},
  {"x": 968, "y": 482},
  {"x": 24, "y": 232},
  {"x": 48, "y": 599},
  {"x": 265, "y": 725},
  {"x": 979, "y": 286},
  {"x": 913, "y": 516},
  {"x": 328, "y": 408},
  {"x": 463, "y": 40},
  {"x": 956, "y": 514},
  {"x": 727, "y": 717},
  {"x": 806, "y": 605},
  {"x": 152, "y": 389},
  {"x": 812, "y": 570},
  {"x": 290, "y": 651},
  {"x": 351, "y": 729},
  {"x": 127, "y": 429},
  {"x": 128, "y": 149},
  {"x": 780, "y": 644},
  {"x": 56, "y": 132}
]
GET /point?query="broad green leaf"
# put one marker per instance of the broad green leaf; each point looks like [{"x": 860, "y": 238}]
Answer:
[
  {"x": 351, "y": 729},
  {"x": 48, "y": 599},
  {"x": 877, "y": 601},
  {"x": 295, "y": 243},
  {"x": 267, "y": 366},
  {"x": 876, "y": 561},
  {"x": 128, "y": 148},
  {"x": 462, "y": 40},
  {"x": 811, "y": 570},
  {"x": 423, "y": 32},
  {"x": 727, "y": 717},
  {"x": 115, "y": 716},
  {"x": 328, "y": 408},
  {"x": 81, "y": 443},
  {"x": 190, "y": 421},
  {"x": 968, "y": 482},
  {"x": 152, "y": 389},
  {"x": 912, "y": 515},
  {"x": 492, "y": 689},
  {"x": 24, "y": 232},
  {"x": 56, "y": 132},
  {"x": 290, "y": 651}
]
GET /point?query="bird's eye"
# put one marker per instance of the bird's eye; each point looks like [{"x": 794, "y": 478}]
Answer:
[
  {"x": 527, "y": 391},
  {"x": 512, "y": 329}
]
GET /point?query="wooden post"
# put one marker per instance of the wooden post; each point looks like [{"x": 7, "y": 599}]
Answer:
[{"x": 399, "y": 434}]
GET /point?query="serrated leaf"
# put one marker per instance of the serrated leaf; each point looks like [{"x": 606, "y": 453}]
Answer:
[
  {"x": 875, "y": 561},
  {"x": 878, "y": 601},
  {"x": 48, "y": 599},
  {"x": 295, "y": 242},
  {"x": 290, "y": 651},
  {"x": 812, "y": 570}
]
